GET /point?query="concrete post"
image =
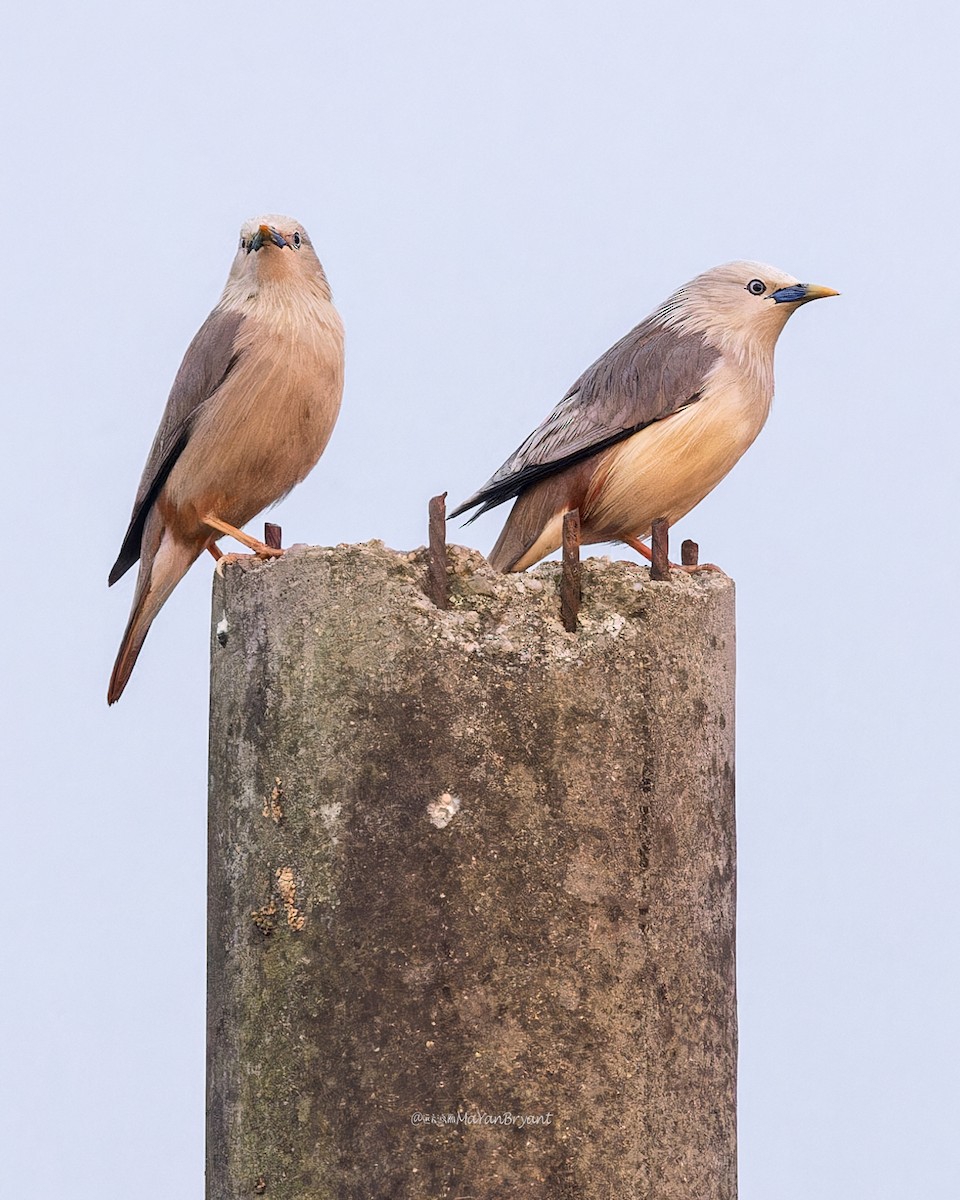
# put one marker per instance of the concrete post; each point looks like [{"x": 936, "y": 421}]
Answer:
[{"x": 471, "y": 927}]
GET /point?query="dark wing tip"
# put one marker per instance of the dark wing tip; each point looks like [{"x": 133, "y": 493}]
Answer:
[
  {"x": 483, "y": 501},
  {"x": 119, "y": 569},
  {"x": 465, "y": 507},
  {"x": 491, "y": 495}
]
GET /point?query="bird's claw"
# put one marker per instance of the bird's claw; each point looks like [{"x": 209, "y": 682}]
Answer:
[{"x": 226, "y": 559}]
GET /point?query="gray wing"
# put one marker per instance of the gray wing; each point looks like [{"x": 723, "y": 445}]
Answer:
[
  {"x": 650, "y": 374},
  {"x": 209, "y": 359}
]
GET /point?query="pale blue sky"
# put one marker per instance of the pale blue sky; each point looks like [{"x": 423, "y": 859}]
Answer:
[{"x": 498, "y": 192}]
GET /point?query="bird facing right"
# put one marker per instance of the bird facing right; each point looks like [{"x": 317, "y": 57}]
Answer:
[{"x": 655, "y": 423}]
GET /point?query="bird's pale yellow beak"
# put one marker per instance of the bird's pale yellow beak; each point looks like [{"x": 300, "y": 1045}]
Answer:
[{"x": 813, "y": 291}]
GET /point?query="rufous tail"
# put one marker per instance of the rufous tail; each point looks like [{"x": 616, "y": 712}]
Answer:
[{"x": 160, "y": 572}]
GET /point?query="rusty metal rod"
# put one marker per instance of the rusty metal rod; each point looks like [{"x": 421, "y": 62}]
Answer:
[
  {"x": 689, "y": 553},
  {"x": 570, "y": 575},
  {"x": 660, "y": 562},
  {"x": 272, "y": 535},
  {"x": 438, "y": 585}
]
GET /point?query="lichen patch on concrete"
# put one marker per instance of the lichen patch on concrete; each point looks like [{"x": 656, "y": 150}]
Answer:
[
  {"x": 272, "y": 806},
  {"x": 440, "y": 812},
  {"x": 287, "y": 887}
]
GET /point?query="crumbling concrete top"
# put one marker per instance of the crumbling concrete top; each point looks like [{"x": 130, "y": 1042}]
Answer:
[{"x": 491, "y": 612}]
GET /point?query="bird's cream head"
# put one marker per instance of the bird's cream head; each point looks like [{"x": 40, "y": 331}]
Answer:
[
  {"x": 274, "y": 254},
  {"x": 740, "y": 306}
]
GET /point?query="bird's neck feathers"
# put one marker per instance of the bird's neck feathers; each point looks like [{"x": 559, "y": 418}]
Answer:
[
  {"x": 281, "y": 299},
  {"x": 749, "y": 339}
]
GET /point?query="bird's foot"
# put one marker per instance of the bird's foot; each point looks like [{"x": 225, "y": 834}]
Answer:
[
  {"x": 260, "y": 549},
  {"x": 692, "y": 570},
  {"x": 225, "y": 560}
]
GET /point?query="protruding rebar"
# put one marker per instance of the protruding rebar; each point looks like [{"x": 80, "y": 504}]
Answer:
[
  {"x": 438, "y": 587},
  {"x": 570, "y": 589},
  {"x": 660, "y": 544},
  {"x": 272, "y": 535},
  {"x": 689, "y": 553}
]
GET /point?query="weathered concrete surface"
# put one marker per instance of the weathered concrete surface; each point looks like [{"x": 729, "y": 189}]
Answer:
[{"x": 466, "y": 865}]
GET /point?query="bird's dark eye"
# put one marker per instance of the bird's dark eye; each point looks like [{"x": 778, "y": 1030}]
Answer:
[
  {"x": 296, "y": 239},
  {"x": 243, "y": 243},
  {"x": 756, "y": 287}
]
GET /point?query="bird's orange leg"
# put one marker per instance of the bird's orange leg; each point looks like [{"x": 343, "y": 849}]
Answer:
[
  {"x": 636, "y": 544},
  {"x": 215, "y": 550},
  {"x": 260, "y": 549}
]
